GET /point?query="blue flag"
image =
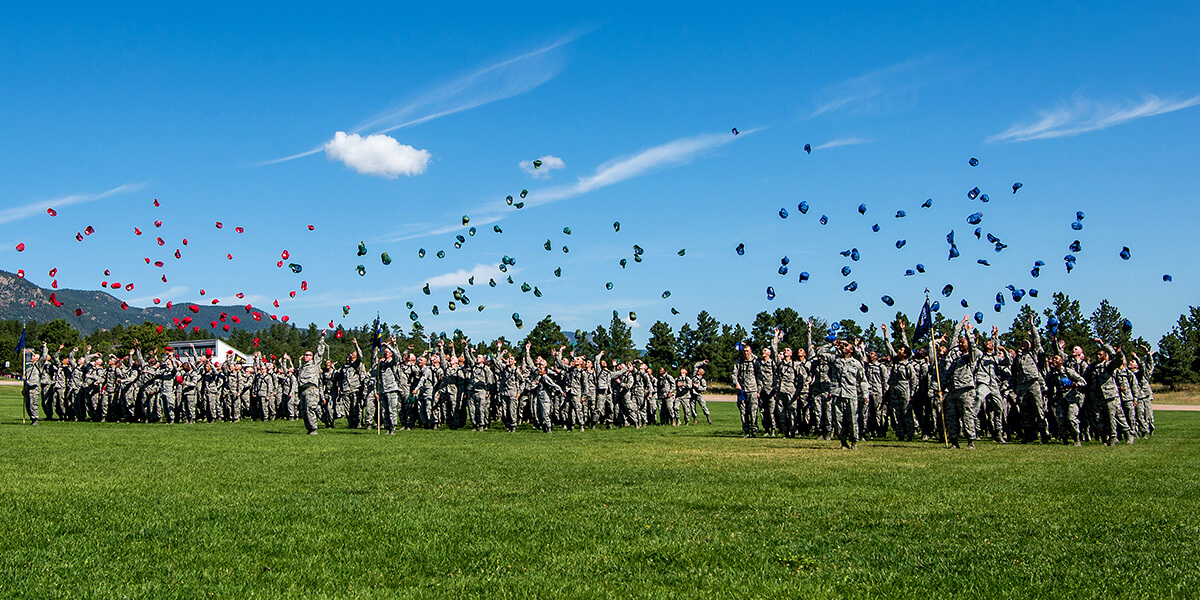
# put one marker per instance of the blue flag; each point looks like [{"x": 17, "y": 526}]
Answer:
[
  {"x": 924, "y": 323},
  {"x": 377, "y": 339},
  {"x": 21, "y": 342}
]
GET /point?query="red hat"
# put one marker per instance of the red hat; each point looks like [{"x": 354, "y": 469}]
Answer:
[
  {"x": 184, "y": 241},
  {"x": 54, "y": 284},
  {"x": 236, "y": 319},
  {"x": 201, "y": 291},
  {"x": 88, "y": 230},
  {"x": 284, "y": 255},
  {"x": 137, "y": 231},
  {"x": 196, "y": 328},
  {"x": 229, "y": 256},
  {"x": 158, "y": 329},
  {"x": 158, "y": 223},
  {"x": 21, "y": 247},
  {"x": 213, "y": 324},
  {"x": 292, "y": 293},
  {"x": 106, "y": 273},
  {"x": 53, "y": 271},
  {"x": 78, "y": 236},
  {"x": 239, "y": 230},
  {"x": 214, "y": 300},
  {"x": 194, "y": 308},
  {"x": 177, "y": 254},
  {"x": 161, "y": 242},
  {"x": 304, "y": 286},
  {"x": 240, "y": 295},
  {"x": 219, "y": 225},
  {"x": 156, "y": 300},
  {"x": 225, "y": 327},
  {"x": 156, "y": 202},
  {"x": 168, "y": 305},
  {"x": 21, "y": 273},
  {"x": 124, "y": 306},
  {"x": 52, "y": 212},
  {"x": 115, "y": 285},
  {"x": 276, "y": 304},
  {"x": 164, "y": 278},
  {"x": 79, "y": 312},
  {"x": 158, "y": 263},
  {"x": 128, "y": 287}
]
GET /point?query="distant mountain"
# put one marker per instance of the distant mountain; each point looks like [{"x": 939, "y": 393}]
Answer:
[{"x": 102, "y": 310}]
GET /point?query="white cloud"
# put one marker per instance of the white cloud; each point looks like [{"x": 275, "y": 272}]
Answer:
[
  {"x": 480, "y": 272},
  {"x": 549, "y": 163},
  {"x": 1084, "y": 115},
  {"x": 848, "y": 141},
  {"x": 378, "y": 155},
  {"x": 9, "y": 215},
  {"x": 631, "y": 324}
]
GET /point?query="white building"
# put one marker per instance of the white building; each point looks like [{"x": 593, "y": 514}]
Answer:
[{"x": 207, "y": 349}]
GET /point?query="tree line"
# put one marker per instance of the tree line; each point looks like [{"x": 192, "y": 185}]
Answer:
[{"x": 704, "y": 339}]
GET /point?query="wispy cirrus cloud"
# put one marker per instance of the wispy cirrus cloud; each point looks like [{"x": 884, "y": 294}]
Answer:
[
  {"x": 880, "y": 89},
  {"x": 1083, "y": 115},
  {"x": 846, "y": 141},
  {"x": 671, "y": 154},
  {"x": 9, "y": 215},
  {"x": 498, "y": 81},
  {"x": 410, "y": 232}
]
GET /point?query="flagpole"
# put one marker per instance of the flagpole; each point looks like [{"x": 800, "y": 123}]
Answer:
[
  {"x": 938, "y": 373},
  {"x": 378, "y": 376},
  {"x": 24, "y": 403}
]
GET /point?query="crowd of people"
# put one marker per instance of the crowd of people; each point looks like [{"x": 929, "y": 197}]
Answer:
[
  {"x": 967, "y": 389},
  {"x": 396, "y": 390},
  {"x": 964, "y": 388}
]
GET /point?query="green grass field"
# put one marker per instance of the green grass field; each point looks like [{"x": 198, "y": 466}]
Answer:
[{"x": 234, "y": 510}]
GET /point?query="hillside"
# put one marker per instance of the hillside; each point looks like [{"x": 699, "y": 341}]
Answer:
[{"x": 102, "y": 310}]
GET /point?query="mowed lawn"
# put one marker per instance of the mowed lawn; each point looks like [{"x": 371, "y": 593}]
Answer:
[{"x": 235, "y": 510}]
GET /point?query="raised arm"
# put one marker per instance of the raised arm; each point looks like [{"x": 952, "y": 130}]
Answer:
[{"x": 887, "y": 340}]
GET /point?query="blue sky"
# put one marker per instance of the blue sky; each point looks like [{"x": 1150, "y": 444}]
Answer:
[{"x": 1091, "y": 108}]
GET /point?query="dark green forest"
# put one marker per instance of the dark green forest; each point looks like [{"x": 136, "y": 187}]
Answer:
[{"x": 706, "y": 338}]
